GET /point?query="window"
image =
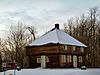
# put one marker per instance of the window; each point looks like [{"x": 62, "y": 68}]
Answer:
[
  {"x": 47, "y": 59},
  {"x": 4, "y": 64},
  {"x": 65, "y": 47},
  {"x": 69, "y": 48},
  {"x": 69, "y": 58},
  {"x": 63, "y": 58},
  {"x": 80, "y": 59},
  {"x": 73, "y": 48},
  {"x": 82, "y": 49},
  {"x": 38, "y": 60}
]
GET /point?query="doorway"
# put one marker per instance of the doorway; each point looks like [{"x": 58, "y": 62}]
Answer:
[{"x": 74, "y": 61}]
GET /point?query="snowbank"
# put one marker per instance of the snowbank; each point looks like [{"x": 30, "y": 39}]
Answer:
[{"x": 40, "y": 71}]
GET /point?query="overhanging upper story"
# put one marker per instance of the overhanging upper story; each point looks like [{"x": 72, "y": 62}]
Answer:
[{"x": 55, "y": 41}]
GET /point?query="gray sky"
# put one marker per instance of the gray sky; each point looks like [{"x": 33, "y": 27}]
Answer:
[{"x": 41, "y": 13}]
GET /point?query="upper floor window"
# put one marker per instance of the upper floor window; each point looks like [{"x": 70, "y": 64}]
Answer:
[
  {"x": 73, "y": 48},
  {"x": 65, "y": 47},
  {"x": 82, "y": 49}
]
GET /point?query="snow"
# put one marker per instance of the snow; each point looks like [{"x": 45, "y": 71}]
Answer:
[
  {"x": 56, "y": 36},
  {"x": 40, "y": 71}
]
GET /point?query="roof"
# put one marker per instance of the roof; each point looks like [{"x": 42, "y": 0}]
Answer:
[{"x": 56, "y": 36}]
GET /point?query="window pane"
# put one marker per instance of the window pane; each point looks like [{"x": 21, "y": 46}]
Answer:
[
  {"x": 73, "y": 48},
  {"x": 80, "y": 59},
  {"x": 47, "y": 59},
  {"x": 38, "y": 60},
  {"x": 65, "y": 47},
  {"x": 63, "y": 58},
  {"x": 82, "y": 49},
  {"x": 69, "y": 58}
]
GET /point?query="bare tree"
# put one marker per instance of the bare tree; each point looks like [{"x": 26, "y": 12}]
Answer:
[
  {"x": 87, "y": 30},
  {"x": 15, "y": 43},
  {"x": 1, "y": 52}
]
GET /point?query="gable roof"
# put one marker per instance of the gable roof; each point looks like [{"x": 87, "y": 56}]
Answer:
[{"x": 56, "y": 36}]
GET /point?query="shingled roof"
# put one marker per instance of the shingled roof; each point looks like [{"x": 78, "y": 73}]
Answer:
[{"x": 56, "y": 36}]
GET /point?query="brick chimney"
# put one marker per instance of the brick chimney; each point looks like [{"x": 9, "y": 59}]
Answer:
[{"x": 57, "y": 26}]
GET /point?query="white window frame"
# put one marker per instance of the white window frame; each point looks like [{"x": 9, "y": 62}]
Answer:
[
  {"x": 82, "y": 49},
  {"x": 73, "y": 48},
  {"x": 4, "y": 64},
  {"x": 38, "y": 60},
  {"x": 65, "y": 47},
  {"x": 63, "y": 58},
  {"x": 69, "y": 58},
  {"x": 80, "y": 59},
  {"x": 47, "y": 59}
]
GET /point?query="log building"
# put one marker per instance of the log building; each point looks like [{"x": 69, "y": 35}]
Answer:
[{"x": 56, "y": 49}]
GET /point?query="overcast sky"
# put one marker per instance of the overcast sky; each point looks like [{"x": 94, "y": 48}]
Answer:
[{"x": 41, "y": 13}]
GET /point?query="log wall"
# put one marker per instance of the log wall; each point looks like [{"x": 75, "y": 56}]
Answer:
[{"x": 53, "y": 52}]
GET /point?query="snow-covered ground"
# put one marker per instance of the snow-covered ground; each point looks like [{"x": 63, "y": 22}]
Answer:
[{"x": 40, "y": 71}]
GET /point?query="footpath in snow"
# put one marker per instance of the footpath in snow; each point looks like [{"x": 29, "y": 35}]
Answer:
[{"x": 40, "y": 71}]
